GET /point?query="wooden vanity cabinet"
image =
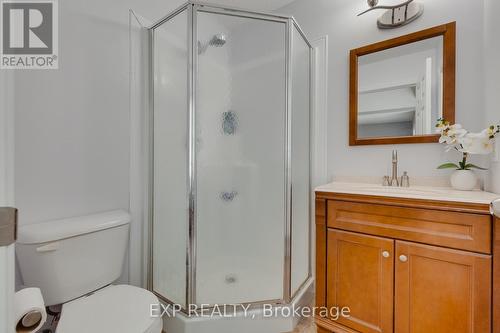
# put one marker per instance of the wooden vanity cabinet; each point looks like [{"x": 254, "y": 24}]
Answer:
[
  {"x": 361, "y": 269},
  {"x": 441, "y": 290},
  {"x": 403, "y": 265}
]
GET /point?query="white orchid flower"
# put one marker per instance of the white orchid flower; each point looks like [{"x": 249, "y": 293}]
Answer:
[
  {"x": 457, "y": 130},
  {"x": 456, "y": 137},
  {"x": 450, "y": 134},
  {"x": 477, "y": 143}
]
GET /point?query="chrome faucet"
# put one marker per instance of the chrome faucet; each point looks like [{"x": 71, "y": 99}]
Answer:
[{"x": 394, "y": 179}]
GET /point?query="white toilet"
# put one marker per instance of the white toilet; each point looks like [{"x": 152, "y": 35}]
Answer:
[{"x": 74, "y": 261}]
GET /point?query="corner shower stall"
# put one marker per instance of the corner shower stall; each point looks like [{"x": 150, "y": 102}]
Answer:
[{"x": 230, "y": 144}]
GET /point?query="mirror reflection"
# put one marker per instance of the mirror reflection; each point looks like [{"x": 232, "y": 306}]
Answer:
[{"x": 400, "y": 90}]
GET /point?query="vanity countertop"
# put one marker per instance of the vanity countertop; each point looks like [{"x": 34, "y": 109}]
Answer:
[{"x": 413, "y": 192}]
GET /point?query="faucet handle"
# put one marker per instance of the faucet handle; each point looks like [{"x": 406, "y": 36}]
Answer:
[
  {"x": 386, "y": 181},
  {"x": 405, "y": 180}
]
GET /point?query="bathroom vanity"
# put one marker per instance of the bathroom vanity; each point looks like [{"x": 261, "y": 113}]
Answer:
[{"x": 406, "y": 260}]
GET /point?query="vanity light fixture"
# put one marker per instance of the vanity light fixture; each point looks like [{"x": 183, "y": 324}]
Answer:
[{"x": 396, "y": 15}]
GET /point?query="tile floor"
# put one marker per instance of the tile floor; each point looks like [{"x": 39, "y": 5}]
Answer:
[{"x": 306, "y": 326}]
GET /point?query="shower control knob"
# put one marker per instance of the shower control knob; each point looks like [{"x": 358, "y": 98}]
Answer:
[
  {"x": 231, "y": 279},
  {"x": 403, "y": 258},
  {"x": 386, "y": 254},
  {"x": 228, "y": 196}
]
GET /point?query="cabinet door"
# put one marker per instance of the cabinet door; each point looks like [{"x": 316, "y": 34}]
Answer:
[
  {"x": 441, "y": 290},
  {"x": 360, "y": 275}
]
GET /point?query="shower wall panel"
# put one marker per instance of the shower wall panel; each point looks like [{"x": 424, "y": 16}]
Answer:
[
  {"x": 170, "y": 159},
  {"x": 301, "y": 192},
  {"x": 240, "y": 112}
]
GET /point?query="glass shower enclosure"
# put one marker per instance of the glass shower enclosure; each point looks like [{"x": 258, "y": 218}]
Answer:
[{"x": 230, "y": 145}]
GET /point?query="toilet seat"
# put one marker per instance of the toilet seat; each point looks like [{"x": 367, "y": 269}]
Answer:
[{"x": 120, "y": 308}]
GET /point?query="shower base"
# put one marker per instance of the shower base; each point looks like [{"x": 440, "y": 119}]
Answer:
[{"x": 253, "y": 322}]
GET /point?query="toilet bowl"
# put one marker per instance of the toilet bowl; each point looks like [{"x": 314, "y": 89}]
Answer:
[
  {"x": 74, "y": 262},
  {"x": 120, "y": 308}
]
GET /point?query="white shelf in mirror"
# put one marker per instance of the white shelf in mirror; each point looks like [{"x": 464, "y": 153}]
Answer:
[
  {"x": 388, "y": 105},
  {"x": 387, "y": 88}
]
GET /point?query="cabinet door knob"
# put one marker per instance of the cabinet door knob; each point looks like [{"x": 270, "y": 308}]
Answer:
[
  {"x": 403, "y": 258},
  {"x": 386, "y": 254}
]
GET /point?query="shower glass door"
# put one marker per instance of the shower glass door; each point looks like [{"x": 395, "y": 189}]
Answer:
[{"x": 240, "y": 158}]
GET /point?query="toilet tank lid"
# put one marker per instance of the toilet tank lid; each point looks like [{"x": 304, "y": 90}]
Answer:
[{"x": 70, "y": 227}]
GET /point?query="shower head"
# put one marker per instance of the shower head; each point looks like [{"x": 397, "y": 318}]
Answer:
[{"x": 217, "y": 41}]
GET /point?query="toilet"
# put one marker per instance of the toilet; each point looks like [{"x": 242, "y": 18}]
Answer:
[{"x": 74, "y": 262}]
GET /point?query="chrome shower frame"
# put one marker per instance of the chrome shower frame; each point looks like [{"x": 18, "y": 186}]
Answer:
[{"x": 192, "y": 8}]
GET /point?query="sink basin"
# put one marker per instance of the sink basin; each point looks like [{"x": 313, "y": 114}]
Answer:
[{"x": 400, "y": 190}]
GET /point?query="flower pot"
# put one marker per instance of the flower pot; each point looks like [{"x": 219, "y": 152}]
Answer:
[{"x": 463, "y": 180}]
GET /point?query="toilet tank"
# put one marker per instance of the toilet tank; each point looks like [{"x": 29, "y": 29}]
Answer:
[{"x": 72, "y": 257}]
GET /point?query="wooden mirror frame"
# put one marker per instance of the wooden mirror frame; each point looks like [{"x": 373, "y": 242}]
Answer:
[{"x": 448, "y": 31}]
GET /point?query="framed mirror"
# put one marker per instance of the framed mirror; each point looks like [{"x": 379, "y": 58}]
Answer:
[{"x": 400, "y": 87}]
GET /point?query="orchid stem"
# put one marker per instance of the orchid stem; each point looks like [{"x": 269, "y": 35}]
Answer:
[{"x": 464, "y": 160}]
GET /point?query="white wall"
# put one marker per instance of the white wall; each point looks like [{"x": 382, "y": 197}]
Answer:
[
  {"x": 71, "y": 124},
  {"x": 492, "y": 84},
  {"x": 6, "y": 138},
  {"x": 347, "y": 31}
]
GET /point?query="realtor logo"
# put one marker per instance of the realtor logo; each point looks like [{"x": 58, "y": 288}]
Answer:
[{"x": 29, "y": 34}]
